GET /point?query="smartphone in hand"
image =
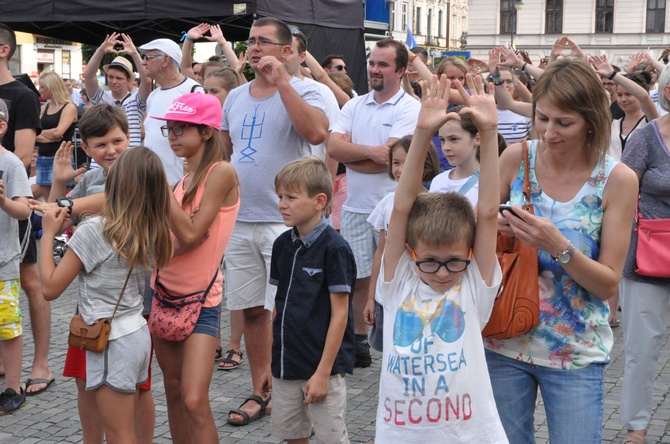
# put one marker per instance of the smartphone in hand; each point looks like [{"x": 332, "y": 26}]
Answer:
[{"x": 502, "y": 208}]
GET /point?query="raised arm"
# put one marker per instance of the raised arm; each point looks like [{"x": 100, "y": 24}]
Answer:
[
  {"x": 320, "y": 75},
  {"x": 605, "y": 70},
  {"x": 90, "y": 73},
  {"x": 193, "y": 34},
  {"x": 481, "y": 108},
  {"x": 431, "y": 118},
  {"x": 216, "y": 35},
  {"x": 130, "y": 49},
  {"x": 511, "y": 59}
]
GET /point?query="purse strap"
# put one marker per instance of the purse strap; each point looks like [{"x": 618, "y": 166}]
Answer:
[
  {"x": 125, "y": 284},
  {"x": 467, "y": 186},
  {"x": 526, "y": 172}
]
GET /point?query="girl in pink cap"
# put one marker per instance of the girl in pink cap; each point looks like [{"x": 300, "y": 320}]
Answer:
[{"x": 201, "y": 220}]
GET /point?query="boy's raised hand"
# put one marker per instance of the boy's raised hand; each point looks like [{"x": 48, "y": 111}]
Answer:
[
  {"x": 481, "y": 106},
  {"x": 62, "y": 167},
  {"x": 433, "y": 112}
]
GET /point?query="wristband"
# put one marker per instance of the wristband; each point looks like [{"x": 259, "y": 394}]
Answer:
[
  {"x": 495, "y": 76},
  {"x": 498, "y": 82},
  {"x": 612, "y": 75},
  {"x": 411, "y": 60},
  {"x": 523, "y": 67},
  {"x": 185, "y": 36}
]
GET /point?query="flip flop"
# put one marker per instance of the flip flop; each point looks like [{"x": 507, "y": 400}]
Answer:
[
  {"x": 29, "y": 382},
  {"x": 228, "y": 359},
  {"x": 246, "y": 419}
]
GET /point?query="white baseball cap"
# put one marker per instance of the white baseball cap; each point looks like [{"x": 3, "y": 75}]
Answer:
[{"x": 166, "y": 46}]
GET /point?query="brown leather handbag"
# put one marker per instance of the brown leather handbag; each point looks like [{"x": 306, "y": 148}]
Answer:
[
  {"x": 516, "y": 310},
  {"x": 94, "y": 337}
]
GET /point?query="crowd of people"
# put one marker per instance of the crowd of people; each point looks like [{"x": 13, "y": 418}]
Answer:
[{"x": 317, "y": 213}]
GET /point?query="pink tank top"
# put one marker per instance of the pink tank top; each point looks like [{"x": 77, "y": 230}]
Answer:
[{"x": 193, "y": 271}]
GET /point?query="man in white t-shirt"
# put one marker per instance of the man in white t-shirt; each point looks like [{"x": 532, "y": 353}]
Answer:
[
  {"x": 161, "y": 59},
  {"x": 360, "y": 139},
  {"x": 120, "y": 78}
]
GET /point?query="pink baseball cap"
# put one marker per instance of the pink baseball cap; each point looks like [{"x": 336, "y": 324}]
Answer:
[{"x": 196, "y": 108}]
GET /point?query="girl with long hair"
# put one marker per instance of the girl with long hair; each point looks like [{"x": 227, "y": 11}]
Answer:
[
  {"x": 130, "y": 236},
  {"x": 202, "y": 215}
]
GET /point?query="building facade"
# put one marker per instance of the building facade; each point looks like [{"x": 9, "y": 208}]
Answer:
[
  {"x": 35, "y": 54},
  {"x": 617, "y": 28}
]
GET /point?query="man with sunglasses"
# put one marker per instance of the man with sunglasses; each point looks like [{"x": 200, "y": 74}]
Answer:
[
  {"x": 120, "y": 76},
  {"x": 334, "y": 63},
  {"x": 161, "y": 59},
  {"x": 267, "y": 123}
]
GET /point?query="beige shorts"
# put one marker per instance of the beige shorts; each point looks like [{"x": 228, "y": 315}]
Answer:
[
  {"x": 293, "y": 419},
  {"x": 247, "y": 265}
]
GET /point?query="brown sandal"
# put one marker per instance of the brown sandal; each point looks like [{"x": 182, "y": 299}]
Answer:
[{"x": 228, "y": 359}]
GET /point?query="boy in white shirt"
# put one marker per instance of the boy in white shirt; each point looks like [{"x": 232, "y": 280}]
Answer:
[{"x": 440, "y": 278}]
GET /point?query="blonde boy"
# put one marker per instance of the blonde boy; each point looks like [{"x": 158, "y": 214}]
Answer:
[
  {"x": 14, "y": 194},
  {"x": 313, "y": 332},
  {"x": 440, "y": 277}
]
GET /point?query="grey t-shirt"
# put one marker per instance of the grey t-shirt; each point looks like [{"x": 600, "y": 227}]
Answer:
[
  {"x": 16, "y": 185},
  {"x": 647, "y": 154},
  {"x": 101, "y": 281},
  {"x": 264, "y": 140},
  {"x": 93, "y": 182}
]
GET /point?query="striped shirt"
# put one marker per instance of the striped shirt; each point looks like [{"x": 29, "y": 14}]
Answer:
[
  {"x": 512, "y": 126},
  {"x": 132, "y": 106}
]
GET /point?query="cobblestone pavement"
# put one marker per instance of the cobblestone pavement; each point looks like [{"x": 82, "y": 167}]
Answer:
[{"x": 52, "y": 416}]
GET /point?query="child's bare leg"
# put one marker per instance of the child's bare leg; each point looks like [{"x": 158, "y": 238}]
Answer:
[
  {"x": 298, "y": 441},
  {"x": 145, "y": 418},
  {"x": 117, "y": 411},
  {"x": 170, "y": 356},
  {"x": 91, "y": 423},
  {"x": 11, "y": 351}
]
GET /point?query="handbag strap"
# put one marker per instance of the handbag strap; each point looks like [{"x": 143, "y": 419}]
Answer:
[
  {"x": 467, "y": 186},
  {"x": 526, "y": 172},
  {"x": 122, "y": 291}
]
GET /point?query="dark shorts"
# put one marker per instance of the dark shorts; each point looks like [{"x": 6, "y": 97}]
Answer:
[
  {"x": 377, "y": 333},
  {"x": 28, "y": 243}
]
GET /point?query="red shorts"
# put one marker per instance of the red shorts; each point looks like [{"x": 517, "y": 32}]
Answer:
[{"x": 75, "y": 365}]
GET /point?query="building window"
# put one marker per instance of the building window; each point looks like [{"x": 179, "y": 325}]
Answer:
[
  {"x": 604, "y": 16},
  {"x": 429, "y": 23},
  {"x": 655, "y": 15},
  {"x": 392, "y": 15},
  {"x": 554, "y": 17},
  {"x": 439, "y": 24},
  {"x": 417, "y": 28},
  {"x": 454, "y": 26},
  {"x": 507, "y": 17},
  {"x": 404, "y": 16}
]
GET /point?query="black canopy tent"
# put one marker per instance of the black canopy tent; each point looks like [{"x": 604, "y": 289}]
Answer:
[{"x": 331, "y": 26}]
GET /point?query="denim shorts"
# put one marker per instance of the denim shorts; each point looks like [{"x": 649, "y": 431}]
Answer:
[
  {"x": 208, "y": 322},
  {"x": 44, "y": 167}
]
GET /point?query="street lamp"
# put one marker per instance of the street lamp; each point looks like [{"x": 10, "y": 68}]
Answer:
[{"x": 518, "y": 6}]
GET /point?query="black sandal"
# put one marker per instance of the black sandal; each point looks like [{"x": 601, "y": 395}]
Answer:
[
  {"x": 228, "y": 359},
  {"x": 246, "y": 419}
]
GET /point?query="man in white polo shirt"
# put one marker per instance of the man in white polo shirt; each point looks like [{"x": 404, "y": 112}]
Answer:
[{"x": 373, "y": 121}]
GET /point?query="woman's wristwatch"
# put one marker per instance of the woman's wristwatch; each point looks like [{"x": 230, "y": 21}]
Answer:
[{"x": 564, "y": 256}]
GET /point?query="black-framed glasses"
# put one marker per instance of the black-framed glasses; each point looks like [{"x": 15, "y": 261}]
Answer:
[
  {"x": 340, "y": 67},
  {"x": 149, "y": 57},
  {"x": 263, "y": 43},
  {"x": 452, "y": 265},
  {"x": 432, "y": 266},
  {"x": 177, "y": 129}
]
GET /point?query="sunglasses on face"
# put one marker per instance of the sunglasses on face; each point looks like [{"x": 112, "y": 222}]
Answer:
[{"x": 339, "y": 67}]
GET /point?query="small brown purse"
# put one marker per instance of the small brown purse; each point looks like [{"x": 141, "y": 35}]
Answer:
[
  {"x": 516, "y": 310},
  {"x": 94, "y": 337}
]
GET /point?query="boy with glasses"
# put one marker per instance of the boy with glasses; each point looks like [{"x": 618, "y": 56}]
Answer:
[{"x": 440, "y": 279}]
